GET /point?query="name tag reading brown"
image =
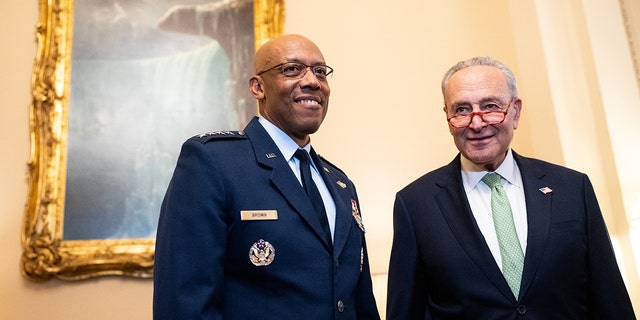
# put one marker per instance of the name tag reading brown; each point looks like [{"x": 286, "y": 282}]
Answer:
[{"x": 246, "y": 215}]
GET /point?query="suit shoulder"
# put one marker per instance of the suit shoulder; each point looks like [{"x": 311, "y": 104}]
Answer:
[
  {"x": 549, "y": 167},
  {"x": 212, "y": 136},
  {"x": 433, "y": 179}
]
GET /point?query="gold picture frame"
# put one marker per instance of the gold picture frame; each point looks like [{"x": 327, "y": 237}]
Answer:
[{"x": 46, "y": 254}]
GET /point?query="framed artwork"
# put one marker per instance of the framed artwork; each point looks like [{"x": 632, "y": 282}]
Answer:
[
  {"x": 117, "y": 86},
  {"x": 632, "y": 28}
]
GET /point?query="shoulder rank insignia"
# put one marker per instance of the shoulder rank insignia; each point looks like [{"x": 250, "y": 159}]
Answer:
[
  {"x": 262, "y": 253},
  {"x": 221, "y": 134}
]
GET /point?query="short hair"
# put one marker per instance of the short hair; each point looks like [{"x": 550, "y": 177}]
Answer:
[{"x": 483, "y": 61}]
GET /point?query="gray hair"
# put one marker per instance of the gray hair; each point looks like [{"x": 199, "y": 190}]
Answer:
[{"x": 483, "y": 61}]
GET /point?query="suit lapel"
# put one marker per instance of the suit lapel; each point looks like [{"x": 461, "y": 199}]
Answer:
[
  {"x": 452, "y": 201},
  {"x": 455, "y": 208},
  {"x": 268, "y": 155},
  {"x": 538, "y": 217}
]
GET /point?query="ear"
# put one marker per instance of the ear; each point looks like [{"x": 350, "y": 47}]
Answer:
[
  {"x": 517, "y": 106},
  {"x": 446, "y": 114},
  {"x": 256, "y": 86}
]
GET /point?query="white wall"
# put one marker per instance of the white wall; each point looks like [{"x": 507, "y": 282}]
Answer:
[{"x": 385, "y": 126}]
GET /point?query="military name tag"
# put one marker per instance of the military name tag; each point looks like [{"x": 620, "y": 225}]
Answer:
[{"x": 246, "y": 215}]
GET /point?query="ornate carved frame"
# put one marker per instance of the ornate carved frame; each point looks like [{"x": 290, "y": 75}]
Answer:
[
  {"x": 632, "y": 28},
  {"x": 45, "y": 253}
]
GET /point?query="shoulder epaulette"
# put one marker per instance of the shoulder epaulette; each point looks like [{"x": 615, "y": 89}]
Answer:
[{"x": 215, "y": 135}]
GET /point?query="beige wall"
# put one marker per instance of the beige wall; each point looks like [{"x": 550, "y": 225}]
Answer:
[{"x": 385, "y": 126}]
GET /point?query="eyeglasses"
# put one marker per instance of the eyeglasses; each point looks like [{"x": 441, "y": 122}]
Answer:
[
  {"x": 298, "y": 70},
  {"x": 463, "y": 118}
]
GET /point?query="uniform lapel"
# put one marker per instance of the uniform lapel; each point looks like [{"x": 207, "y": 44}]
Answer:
[
  {"x": 340, "y": 196},
  {"x": 268, "y": 155},
  {"x": 455, "y": 208}
]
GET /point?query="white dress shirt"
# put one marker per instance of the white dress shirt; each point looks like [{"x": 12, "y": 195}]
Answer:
[{"x": 479, "y": 195}]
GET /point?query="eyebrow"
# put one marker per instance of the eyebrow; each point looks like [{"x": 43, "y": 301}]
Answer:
[
  {"x": 481, "y": 102},
  {"x": 319, "y": 63}
]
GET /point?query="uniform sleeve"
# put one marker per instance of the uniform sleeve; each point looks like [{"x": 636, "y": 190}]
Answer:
[
  {"x": 607, "y": 294},
  {"x": 367, "y": 307},
  {"x": 190, "y": 242}
]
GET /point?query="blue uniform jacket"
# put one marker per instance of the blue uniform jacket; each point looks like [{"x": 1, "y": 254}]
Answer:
[{"x": 204, "y": 246}]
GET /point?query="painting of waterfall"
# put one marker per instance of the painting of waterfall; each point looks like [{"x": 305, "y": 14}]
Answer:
[{"x": 145, "y": 76}]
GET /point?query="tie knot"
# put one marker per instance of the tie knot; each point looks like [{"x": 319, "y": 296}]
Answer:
[
  {"x": 491, "y": 179},
  {"x": 301, "y": 154}
]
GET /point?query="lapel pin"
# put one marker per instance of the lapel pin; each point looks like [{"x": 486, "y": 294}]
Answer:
[
  {"x": 341, "y": 184},
  {"x": 326, "y": 169},
  {"x": 545, "y": 190},
  {"x": 270, "y": 155}
]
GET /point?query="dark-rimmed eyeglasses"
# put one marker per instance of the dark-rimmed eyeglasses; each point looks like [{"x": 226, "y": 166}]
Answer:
[
  {"x": 298, "y": 70},
  {"x": 462, "y": 119}
]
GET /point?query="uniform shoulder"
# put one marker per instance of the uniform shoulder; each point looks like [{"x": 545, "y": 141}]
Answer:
[
  {"x": 220, "y": 135},
  {"x": 331, "y": 165}
]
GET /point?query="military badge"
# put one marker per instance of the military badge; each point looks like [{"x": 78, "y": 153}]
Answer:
[
  {"x": 361, "y": 258},
  {"x": 356, "y": 215},
  {"x": 220, "y": 133},
  {"x": 262, "y": 253}
]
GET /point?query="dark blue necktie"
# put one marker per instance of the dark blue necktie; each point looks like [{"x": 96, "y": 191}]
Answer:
[{"x": 312, "y": 191}]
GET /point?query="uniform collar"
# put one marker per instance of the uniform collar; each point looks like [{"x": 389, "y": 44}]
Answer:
[{"x": 286, "y": 145}]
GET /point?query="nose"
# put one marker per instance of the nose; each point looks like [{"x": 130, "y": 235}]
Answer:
[
  {"x": 476, "y": 122},
  {"x": 309, "y": 79}
]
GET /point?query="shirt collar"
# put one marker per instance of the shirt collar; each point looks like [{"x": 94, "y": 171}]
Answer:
[
  {"x": 508, "y": 170},
  {"x": 286, "y": 145}
]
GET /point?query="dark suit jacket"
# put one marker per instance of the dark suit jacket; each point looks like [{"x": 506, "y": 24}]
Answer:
[
  {"x": 202, "y": 260},
  {"x": 441, "y": 266}
]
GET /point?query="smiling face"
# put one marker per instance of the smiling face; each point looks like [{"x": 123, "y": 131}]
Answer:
[
  {"x": 484, "y": 145},
  {"x": 296, "y": 105}
]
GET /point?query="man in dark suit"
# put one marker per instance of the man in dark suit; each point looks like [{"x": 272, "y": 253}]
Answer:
[
  {"x": 528, "y": 243},
  {"x": 238, "y": 236}
]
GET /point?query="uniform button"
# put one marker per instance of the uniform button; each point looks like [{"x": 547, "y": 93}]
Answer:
[
  {"x": 340, "y": 306},
  {"x": 522, "y": 309}
]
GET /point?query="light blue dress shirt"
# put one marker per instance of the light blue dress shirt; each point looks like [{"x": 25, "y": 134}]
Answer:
[{"x": 288, "y": 147}]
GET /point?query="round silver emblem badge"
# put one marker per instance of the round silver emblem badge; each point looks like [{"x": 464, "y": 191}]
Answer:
[{"x": 262, "y": 253}]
